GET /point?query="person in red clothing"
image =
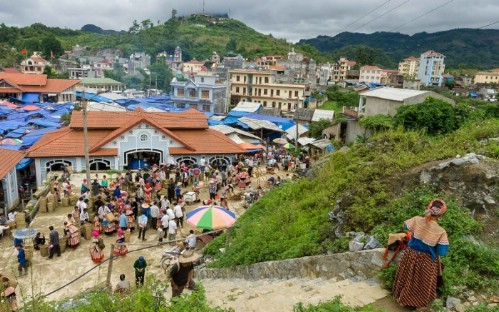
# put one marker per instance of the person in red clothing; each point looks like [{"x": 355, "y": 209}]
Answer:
[{"x": 416, "y": 279}]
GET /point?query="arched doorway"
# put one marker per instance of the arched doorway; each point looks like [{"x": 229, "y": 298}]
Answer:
[
  {"x": 188, "y": 161},
  {"x": 140, "y": 159},
  {"x": 100, "y": 164},
  {"x": 57, "y": 165},
  {"x": 219, "y": 161}
]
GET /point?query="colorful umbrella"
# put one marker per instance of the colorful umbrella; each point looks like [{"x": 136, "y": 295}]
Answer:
[
  {"x": 11, "y": 142},
  {"x": 280, "y": 141},
  {"x": 288, "y": 146},
  {"x": 196, "y": 171},
  {"x": 211, "y": 217}
]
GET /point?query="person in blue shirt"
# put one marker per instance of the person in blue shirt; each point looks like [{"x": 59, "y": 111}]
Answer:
[
  {"x": 123, "y": 221},
  {"x": 416, "y": 279},
  {"x": 21, "y": 258},
  {"x": 117, "y": 192}
]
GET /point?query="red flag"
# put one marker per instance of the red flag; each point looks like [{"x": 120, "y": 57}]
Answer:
[{"x": 24, "y": 51}]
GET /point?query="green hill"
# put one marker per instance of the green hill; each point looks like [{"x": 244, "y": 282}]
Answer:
[
  {"x": 475, "y": 48},
  {"x": 198, "y": 37}
]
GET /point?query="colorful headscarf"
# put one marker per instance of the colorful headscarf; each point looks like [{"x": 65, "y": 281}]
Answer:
[
  {"x": 95, "y": 234},
  {"x": 437, "y": 208}
]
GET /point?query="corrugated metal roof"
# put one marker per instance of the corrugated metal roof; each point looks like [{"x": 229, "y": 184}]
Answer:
[
  {"x": 393, "y": 93},
  {"x": 257, "y": 124},
  {"x": 291, "y": 132},
  {"x": 250, "y": 107},
  {"x": 228, "y": 130},
  {"x": 323, "y": 114}
]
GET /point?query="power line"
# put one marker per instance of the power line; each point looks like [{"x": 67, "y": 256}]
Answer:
[
  {"x": 389, "y": 11},
  {"x": 493, "y": 23},
  {"x": 379, "y": 6},
  {"x": 419, "y": 16}
]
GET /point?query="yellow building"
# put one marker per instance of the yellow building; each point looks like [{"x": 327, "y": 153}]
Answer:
[
  {"x": 340, "y": 68},
  {"x": 263, "y": 87},
  {"x": 409, "y": 67},
  {"x": 487, "y": 77}
]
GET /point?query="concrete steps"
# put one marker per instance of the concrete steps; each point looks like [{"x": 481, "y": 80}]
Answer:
[{"x": 281, "y": 295}]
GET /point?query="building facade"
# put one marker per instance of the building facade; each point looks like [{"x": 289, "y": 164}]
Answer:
[
  {"x": 123, "y": 140},
  {"x": 9, "y": 196},
  {"x": 204, "y": 92},
  {"x": 487, "y": 77},
  {"x": 262, "y": 87},
  {"x": 35, "y": 64},
  {"x": 431, "y": 68},
  {"x": 370, "y": 74},
  {"x": 409, "y": 66}
]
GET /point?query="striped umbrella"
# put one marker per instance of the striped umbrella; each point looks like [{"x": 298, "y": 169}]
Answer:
[
  {"x": 288, "y": 146},
  {"x": 210, "y": 217},
  {"x": 280, "y": 141},
  {"x": 10, "y": 142}
]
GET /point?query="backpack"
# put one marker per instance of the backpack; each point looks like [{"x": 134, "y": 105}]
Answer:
[{"x": 101, "y": 244}]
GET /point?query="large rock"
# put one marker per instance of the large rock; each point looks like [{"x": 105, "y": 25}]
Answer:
[
  {"x": 355, "y": 246},
  {"x": 452, "y": 302}
]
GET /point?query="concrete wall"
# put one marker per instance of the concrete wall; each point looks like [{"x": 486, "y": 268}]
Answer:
[
  {"x": 9, "y": 184},
  {"x": 362, "y": 264}
]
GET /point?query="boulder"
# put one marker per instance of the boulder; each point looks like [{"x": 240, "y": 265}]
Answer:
[
  {"x": 355, "y": 246},
  {"x": 452, "y": 302}
]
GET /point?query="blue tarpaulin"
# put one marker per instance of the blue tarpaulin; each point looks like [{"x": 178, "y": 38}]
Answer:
[
  {"x": 7, "y": 125},
  {"x": 281, "y": 122},
  {"x": 44, "y": 123},
  {"x": 24, "y": 163},
  {"x": 11, "y": 147},
  {"x": 94, "y": 97},
  {"x": 17, "y": 116},
  {"x": 31, "y": 97}
]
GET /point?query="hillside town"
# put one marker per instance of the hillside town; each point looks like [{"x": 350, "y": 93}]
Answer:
[{"x": 86, "y": 158}]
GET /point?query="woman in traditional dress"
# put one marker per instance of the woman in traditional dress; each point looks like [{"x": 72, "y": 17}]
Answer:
[
  {"x": 73, "y": 235},
  {"x": 97, "y": 224},
  {"x": 147, "y": 191},
  {"x": 131, "y": 219},
  {"x": 96, "y": 251},
  {"x": 416, "y": 280},
  {"x": 120, "y": 248}
]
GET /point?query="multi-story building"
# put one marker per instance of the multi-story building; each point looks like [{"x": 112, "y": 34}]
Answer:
[
  {"x": 431, "y": 68},
  {"x": 35, "y": 64},
  {"x": 193, "y": 67},
  {"x": 138, "y": 60},
  {"x": 340, "y": 68},
  {"x": 370, "y": 74},
  {"x": 261, "y": 86},
  {"x": 487, "y": 77},
  {"x": 409, "y": 66},
  {"x": 204, "y": 92}
]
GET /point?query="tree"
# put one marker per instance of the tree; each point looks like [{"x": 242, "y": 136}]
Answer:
[
  {"x": 316, "y": 127},
  {"x": 433, "y": 115},
  {"x": 50, "y": 45},
  {"x": 134, "y": 28},
  {"x": 231, "y": 45},
  {"x": 377, "y": 122}
]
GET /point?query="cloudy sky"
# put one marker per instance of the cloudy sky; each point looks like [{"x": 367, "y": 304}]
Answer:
[{"x": 290, "y": 19}]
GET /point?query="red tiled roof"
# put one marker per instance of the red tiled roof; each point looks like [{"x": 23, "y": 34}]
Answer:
[
  {"x": 53, "y": 86},
  {"x": 9, "y": 160},
  {"x": 206, "y": 141},
  {"x": 190, "y": 128},
  {"x": 277, "y": 67},
  {"x": 189, "y": 119},
  {"x": 66, "y": 142},
  {"x": 25, "y": 79}
]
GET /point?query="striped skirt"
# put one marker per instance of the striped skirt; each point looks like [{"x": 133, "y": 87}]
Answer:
[{"x": 416, "y": 280}]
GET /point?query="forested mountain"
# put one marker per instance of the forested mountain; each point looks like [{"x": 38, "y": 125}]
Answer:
[
  {"x": 198, "y": 36},
  {"x": 477, "y": 48}
]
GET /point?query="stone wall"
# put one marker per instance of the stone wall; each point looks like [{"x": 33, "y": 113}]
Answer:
[{"x": 363, "y": 264}]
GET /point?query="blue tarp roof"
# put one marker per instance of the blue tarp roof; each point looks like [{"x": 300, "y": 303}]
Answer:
[
  {"x": 283, "y": 123},
  {"x": 17, "y": 116},
  {"x": 94, "y": 97},
  {"x": 11, "y": 124},
  {"x": 44, "y": 123},
  {"x": 17, "y": 133},
  {"x": 25, "y": 162},
  {"x": 31, "y": 97}
]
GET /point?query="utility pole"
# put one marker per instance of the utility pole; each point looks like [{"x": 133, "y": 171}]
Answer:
[
  {"x": 85, "y": 137},
  {"x": 110, "y": 266}
]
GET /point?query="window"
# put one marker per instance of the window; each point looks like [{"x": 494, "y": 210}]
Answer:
[
  {"x": 143, "y": 138},
  {"x": 206, "y": 108},
  {"x": 264, "y": 91},
  {"x": 296, "y": 93},
  {"x": 205, "y": 94},
  {"x": 266, "y": 79},
  {"x": 238, "y": 78},
  {"x": 237, "y": 89},
  {"x": 244, "y": 90},
  {"x": 278, "y": 92},
  {"x": 265, "y": 103},
  {"x": 180, "y": 92},
  {"x": 202, "y": 79},
  {"x": 192, "y": 93}
]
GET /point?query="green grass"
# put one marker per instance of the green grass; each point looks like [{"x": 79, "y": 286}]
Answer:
[
  {"x": 292, "y": 221},
  {"x": 334, "y": 305},
  {"x": 332, "y": 105}
]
